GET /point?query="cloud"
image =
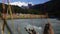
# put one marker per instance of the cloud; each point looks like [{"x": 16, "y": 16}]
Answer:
[{"x": 20, "y": 3}]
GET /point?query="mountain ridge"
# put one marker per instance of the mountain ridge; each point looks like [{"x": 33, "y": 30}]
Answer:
[{"x": 51, "y": 7}]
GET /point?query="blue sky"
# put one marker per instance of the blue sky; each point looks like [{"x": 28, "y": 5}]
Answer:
[
  {"x": 25, "y": 2},
  {"x": 33, "y": 1}
]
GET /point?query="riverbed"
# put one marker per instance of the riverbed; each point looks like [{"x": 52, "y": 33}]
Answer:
[{"x": 18, "y": 25}]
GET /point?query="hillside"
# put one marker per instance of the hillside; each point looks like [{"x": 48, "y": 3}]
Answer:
[
  {"x": 52, "y": 7},
  {"x": 17, "y": 9}
]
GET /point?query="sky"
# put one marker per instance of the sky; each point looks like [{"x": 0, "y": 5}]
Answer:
[{"x": 25, "y": 2}]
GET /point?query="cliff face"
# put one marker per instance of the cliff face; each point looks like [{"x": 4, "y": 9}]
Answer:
[{"x": 52, "y": 7}]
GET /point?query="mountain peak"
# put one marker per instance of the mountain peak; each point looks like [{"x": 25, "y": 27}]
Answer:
[{"x": 20, "y": 3}]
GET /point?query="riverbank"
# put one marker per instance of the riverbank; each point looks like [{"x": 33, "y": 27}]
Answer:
[{"x": 25, "y": 16}]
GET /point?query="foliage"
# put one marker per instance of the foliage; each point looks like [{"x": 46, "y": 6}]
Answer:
[{"x": 17, "y": 9}]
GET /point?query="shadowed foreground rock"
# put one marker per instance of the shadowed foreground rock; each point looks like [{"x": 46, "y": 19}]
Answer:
[{"x": 48, "y": 29}]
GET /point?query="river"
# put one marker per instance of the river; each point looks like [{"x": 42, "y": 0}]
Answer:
[{"x": 18, "y": 25}]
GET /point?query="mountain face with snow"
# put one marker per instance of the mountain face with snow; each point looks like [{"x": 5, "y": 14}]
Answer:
[{"x": 21, "y": 3}]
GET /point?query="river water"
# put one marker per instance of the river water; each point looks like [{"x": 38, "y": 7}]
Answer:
[{"x": 18, "y": 25}]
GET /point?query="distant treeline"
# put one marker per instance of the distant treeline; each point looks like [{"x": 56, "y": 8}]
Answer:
[{"x": 17, "y": 9}]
